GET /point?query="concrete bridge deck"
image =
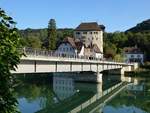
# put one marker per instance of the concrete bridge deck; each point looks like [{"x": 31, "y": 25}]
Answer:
[{"x": 43, "y": 61}]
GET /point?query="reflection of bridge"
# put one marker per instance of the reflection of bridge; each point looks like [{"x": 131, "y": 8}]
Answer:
[
  {"x": 66, "y": 89},
  {"x": 44, "y": 61}
]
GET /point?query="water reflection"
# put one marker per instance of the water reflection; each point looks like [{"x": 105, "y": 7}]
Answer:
[
  {"x": 134, "y": 99},
  {"x": 45, "y": 93},
  {"x": 63, "y": 87},
  {"x": 44, "y": 96}
]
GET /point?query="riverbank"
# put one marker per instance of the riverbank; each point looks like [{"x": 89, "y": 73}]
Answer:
[{"x": 141, "y": 73}]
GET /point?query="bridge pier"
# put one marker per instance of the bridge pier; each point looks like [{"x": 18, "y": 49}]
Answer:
[
  {"x": 122, "y": 72},
  {"x": 99, "y": 77}
]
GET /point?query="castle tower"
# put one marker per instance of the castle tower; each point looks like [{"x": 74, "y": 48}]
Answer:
[{"x": 90, "y": 33}]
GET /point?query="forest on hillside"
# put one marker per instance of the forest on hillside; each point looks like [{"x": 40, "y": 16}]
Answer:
[{"x": 113, "y": 42}]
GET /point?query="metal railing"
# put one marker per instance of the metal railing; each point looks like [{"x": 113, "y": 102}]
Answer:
[
  {"x": 54, "y": 54},
  {"x": 46, "y": 53}
]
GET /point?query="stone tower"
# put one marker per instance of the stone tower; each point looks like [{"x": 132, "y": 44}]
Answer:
[{"x": 90, "y": 33}]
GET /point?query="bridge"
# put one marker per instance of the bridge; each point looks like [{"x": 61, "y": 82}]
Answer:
[{"x": 40, "y": 61}]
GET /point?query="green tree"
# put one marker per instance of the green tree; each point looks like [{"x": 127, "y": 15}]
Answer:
[
  {"x": 9, "y": 58},
  {"x": 52, "y": 34},
  {"x": 110, "y": 50},
  {"x": 34, "y": 42},
  {"x": 119, "y": 58}
]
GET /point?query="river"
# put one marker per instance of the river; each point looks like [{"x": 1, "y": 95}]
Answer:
[{"x": 48, "y": 93}]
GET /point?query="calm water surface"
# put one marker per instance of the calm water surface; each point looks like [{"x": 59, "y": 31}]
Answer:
[{"x": 45, "y": 93}]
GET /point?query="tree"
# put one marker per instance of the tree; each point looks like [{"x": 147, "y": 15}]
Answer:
[
  {"x": 34, "y": 42},
  {"x": 52, "y": 34},
  {"x": 110, "y": 50},
  {"x": 9, "y": 58}
]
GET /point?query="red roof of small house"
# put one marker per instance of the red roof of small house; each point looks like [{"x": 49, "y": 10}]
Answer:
[
  {"x": 77, "y": 44},
  {"x": 70, "y": 41},
  {"x": 132, "y": 50},
  {"x": 96, "y": 49},
  {"x": 90, "y": 49}
]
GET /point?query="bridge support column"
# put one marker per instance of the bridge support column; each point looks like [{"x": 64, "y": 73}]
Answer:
[
  {"x": 99, "y": 77},
  {"x": 123, "y": 78},
  {"x": 122, "y": 72}
]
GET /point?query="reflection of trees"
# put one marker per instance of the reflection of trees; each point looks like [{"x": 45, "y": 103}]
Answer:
[{"x": 35, "y": 88}]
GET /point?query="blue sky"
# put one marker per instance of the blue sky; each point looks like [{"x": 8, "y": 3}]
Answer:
[{"x": 116, "y": 15}]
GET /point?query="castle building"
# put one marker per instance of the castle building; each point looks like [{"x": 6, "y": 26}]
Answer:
[
  {"x": 87, "y": 42},
  {"x": 90, "y": 34}
]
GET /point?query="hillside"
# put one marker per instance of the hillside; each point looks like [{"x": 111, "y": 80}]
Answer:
[
  {"x": 113, "y": 42},
  {"x": 36, "y": 38},
  {"x": 142, "y": 27},
  {"x": 42, "y": 33}
]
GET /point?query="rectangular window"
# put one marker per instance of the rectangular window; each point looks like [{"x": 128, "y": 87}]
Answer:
[
  {"x": 70, "y": 49},
  {"x": 77, "y": 33},
  {"x": 138, "y": 56},
  {"x": 84, "y": 32},
  {"x": 95, "y": 33}
]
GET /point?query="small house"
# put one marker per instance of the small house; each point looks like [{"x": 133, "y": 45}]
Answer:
[{"x": 133, "y": 54}]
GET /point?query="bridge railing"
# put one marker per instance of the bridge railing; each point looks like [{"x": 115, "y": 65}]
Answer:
[
  {"x": 45, "y": 53},
  {"x": 53, "y": 54}
]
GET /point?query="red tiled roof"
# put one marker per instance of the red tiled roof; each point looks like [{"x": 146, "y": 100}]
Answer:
[
  {"x": 70, "y": 41},
  {"x": 77, "y": 44},
  {"x": 95, "y": 48},
  {"x": 132, "y": 50},
  {"x": 92, "y": 26}
]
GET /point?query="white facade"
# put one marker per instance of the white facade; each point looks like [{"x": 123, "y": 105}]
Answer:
[
  {"x": 81, "y": 52},
  {"x": 98, "y": 55},
  {"x": 65, "y": 49},
  {"x": 135, "y": 57},
  {"x": 90, "y": 37},
  {"x": 63, "y": 86}
]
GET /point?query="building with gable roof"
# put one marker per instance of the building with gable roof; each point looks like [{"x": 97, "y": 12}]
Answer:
[
  {"x": 90, "y": 33},
  {"x": 87, "y": 42},
  {"x": 70, "y": 47},
  {"x": 133, "y": 54}
]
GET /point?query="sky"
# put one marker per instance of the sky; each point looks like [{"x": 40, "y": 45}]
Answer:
[{"x": 116, "y": 15}]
